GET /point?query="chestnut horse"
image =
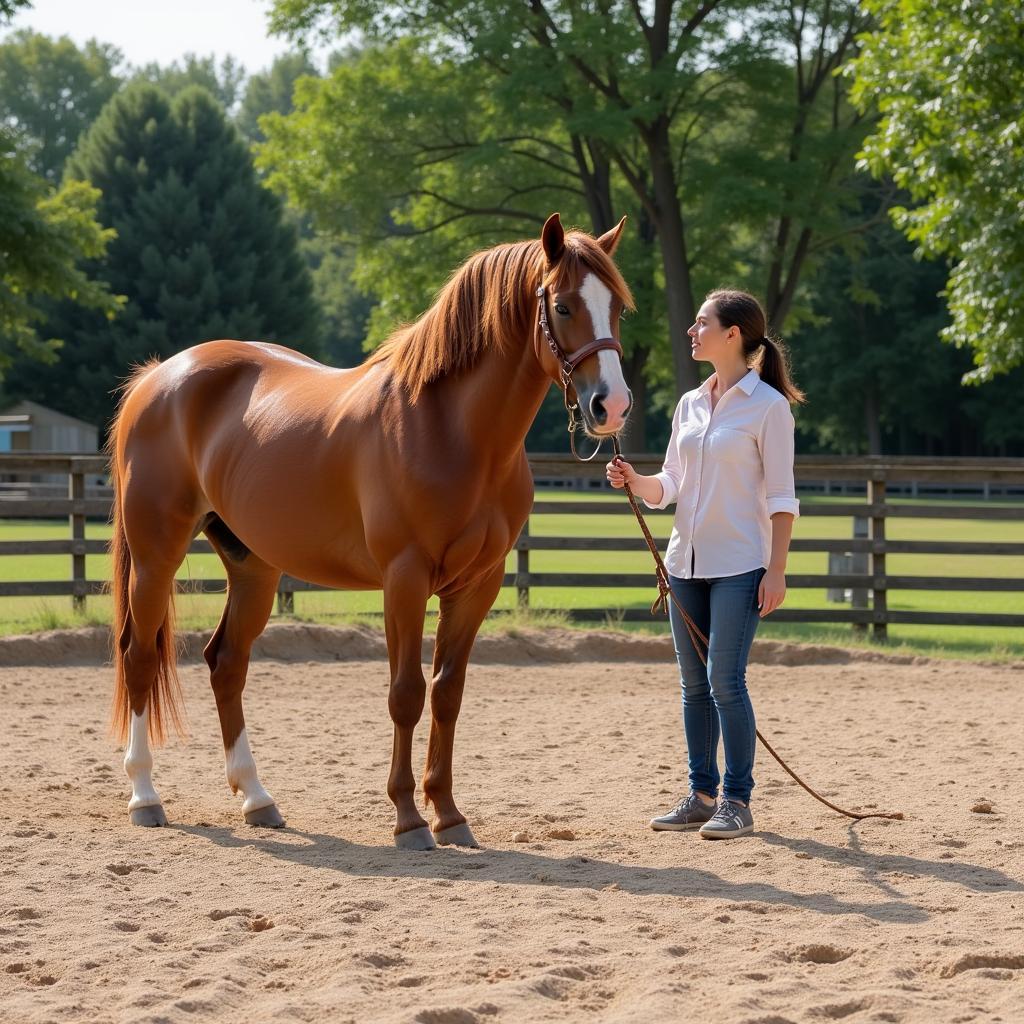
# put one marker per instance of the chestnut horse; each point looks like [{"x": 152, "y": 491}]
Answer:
[{"x": 407, "y": 474}]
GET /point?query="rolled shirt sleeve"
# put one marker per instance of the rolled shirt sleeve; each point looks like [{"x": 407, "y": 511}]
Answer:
[
  {"x": 671, "y": 475},
  {"x": 776, "y": 444}
]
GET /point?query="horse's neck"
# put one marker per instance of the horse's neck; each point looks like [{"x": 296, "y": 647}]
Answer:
[{"x": 499, "y": 399}]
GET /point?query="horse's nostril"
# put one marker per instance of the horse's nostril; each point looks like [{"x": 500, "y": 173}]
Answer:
[{"x": 597, "y": 409}]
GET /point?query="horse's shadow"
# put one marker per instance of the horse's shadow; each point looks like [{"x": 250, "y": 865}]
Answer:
[{"x": 526, "y": 867}]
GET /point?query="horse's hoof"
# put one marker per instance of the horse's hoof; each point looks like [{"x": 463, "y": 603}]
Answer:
[
  {"x": 149, "y": 817},
  {"x": 265, "y": 817},
  {"x": 416, "y": 839},
  {"x": 457, "y": 835}
]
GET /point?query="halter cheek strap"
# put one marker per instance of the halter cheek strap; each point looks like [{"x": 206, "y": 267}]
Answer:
[{"x": 567, "y": 362}]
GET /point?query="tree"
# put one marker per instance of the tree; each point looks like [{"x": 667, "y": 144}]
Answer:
[
  {"x": 875, "y": 369},
  {"x": 45, "y": 235},
  {"x": 50, "y": 92},
  {"x": 331, "y": 261},
  {"x": 626, "y": 94},
  {"x": 947, "y": 78},
  {"x": 201, "y": 249},
  {"x": 223, "y": 82},
  {"x": 869, "y": 356},
  {"x": 271, "y": 91},
  {"x": 8, "y": 8}
]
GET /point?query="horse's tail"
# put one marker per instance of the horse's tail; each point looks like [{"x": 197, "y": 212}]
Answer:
[{"x": 165, "y": 698}]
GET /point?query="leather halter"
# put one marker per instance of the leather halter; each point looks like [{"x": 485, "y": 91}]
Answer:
[{"x": 567, "y": 363}]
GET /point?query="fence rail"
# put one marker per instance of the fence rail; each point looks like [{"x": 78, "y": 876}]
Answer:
[{"x": 875, "y": 509}]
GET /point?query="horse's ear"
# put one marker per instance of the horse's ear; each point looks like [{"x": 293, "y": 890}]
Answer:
[
  {"x": 609, "y": 241},
  {"x": 553, "y": 238}
]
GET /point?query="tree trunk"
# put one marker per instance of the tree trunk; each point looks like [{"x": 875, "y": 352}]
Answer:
[
  {"x": 634, "y": 437},
  {"x": 871, "y": 422},
  {"x": 595, "y": 176},
  {"x": 672, "y": 238}
]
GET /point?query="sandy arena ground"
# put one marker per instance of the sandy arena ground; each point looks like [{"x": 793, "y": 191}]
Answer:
[{"x": 574, "y": 910}]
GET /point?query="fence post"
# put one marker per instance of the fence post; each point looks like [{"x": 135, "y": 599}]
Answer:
[
  {"x": 876, "y": 496},
  {"x": 859, "y": 564},
  {"x": 76, "y": 519},
  {"x": 523, "y": 567},
  {"x": 285, "y": 599}
]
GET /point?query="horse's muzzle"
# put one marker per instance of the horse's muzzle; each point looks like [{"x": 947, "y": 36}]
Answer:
[{"x": 605, "y": 413}]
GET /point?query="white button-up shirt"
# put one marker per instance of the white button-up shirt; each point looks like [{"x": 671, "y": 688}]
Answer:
[{"x": 728, "y": 472}]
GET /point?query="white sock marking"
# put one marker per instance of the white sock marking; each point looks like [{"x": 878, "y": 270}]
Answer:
[
  {"x": 241, "y": 772},
  {"x": 138, "y": 763}
]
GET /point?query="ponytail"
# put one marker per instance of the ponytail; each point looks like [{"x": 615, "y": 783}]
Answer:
[
  {"x": 773, "y": 366},
  {"x": 765, "y": 354}
]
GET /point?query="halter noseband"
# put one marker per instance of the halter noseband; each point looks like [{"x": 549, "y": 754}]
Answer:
[{"x": 567, "y": 362}]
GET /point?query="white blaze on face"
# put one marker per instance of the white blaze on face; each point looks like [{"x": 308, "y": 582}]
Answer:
[
  {"x": 138, "y": 763},
  {"x": 241, "y": 772},
  {"x": 597, "y": 297}
]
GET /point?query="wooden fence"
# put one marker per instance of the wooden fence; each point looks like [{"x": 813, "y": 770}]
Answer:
[{"x": 875, "y": 473}]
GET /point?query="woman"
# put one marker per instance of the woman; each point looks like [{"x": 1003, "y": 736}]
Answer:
[{"x": 729, "y": 470}]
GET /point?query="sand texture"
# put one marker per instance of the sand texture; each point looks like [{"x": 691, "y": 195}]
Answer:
[{"x": 573, "y": 910}]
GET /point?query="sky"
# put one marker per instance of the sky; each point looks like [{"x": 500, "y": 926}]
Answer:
[{"x": 162, "y": 30}]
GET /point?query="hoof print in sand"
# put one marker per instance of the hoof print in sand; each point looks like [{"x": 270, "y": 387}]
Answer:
[
  {"x": 821, "y": 954},
  {"x": 975, "y": 961}
]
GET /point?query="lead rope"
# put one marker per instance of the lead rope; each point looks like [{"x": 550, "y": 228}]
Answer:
[{"x": 700, "y": 645}]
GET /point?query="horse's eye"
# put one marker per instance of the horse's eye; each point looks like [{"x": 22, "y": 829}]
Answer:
[{"x": 561, "y": 309}]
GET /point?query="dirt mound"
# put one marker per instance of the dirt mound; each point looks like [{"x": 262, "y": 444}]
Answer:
[{"x": 294, "y": 642}]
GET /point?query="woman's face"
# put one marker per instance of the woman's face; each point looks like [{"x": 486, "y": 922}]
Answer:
[{"x": 709, "y": 340}]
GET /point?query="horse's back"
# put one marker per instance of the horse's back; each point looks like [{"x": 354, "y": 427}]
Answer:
[{"x": 248, "y": 430}]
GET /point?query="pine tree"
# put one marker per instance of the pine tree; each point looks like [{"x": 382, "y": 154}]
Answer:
[{"x": 202, "y": 250}]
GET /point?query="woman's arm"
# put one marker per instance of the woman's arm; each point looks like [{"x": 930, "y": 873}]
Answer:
[
  {"x": 772, "y": 591},
  {"x": 776, "y": 446}
]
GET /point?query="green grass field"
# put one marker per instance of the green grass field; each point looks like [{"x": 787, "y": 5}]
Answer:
[{"x": 19, "y": 615}]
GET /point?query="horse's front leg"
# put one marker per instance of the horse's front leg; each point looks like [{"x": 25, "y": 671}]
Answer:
[
  {"x": 406, "y": 589},
  {"x": 460, "y": 618}
]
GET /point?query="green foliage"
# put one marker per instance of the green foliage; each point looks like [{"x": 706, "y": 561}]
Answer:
[
  {"x": 876, "y": 372},
  {"x": 45, "y": 235},
  {"x": 50, "y": 92},
  {"x": 460, "y": 123},
  {"x": 223, "y": 81},
  {"x": 366, "y": 154},
  {"x": 870, "y": 357},
  {"x": 271, "y": 92},
  {"x": 948, "y": 77},
  {"x": 8, "y": 8},
  {"x": 202, "y": 251},
  {"x": 345, "y": 309}
]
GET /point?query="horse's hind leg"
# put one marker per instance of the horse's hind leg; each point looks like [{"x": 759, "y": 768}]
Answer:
[
  {"x": 252, "y": 585},
  {"x": 461, "y": 615},
  {"x": 157, "y": 543},
  {"x": 149, "y": 594}
]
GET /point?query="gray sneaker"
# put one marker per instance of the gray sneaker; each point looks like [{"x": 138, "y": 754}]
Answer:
[
  {"x": 730, "y": 821},
  {"x": 690, "y": 813}
]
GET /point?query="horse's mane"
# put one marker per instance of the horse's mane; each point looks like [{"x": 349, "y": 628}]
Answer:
[{"x": 487, "y": 304}]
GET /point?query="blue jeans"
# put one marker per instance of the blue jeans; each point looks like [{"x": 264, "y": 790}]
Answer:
[{"x": 715, "y": 699}]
